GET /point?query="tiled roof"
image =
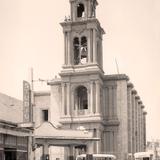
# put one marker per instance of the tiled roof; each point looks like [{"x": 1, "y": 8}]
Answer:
[{"x": 11, "y": 109}]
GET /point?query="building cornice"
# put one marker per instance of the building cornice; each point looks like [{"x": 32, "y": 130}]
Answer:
[
  {"x": 140, "y": 102},
  {"x": 56, "y": 81},
  {"x": 116, "y": 77},
  {"x": 112, "y": 122},
  {"x": 137, "y": 97},
  {"x": 76, "y": 0},
  {"x": 41, "y": 93},
  {"x": 82, "y": 70},
  {"x": 134, "y": 92},
  {"x": 130, "y": 85},
  {"x": 144, "y": 113},
  {"x": 89, "y": 21},
  {"x": 142, "y": 106}
]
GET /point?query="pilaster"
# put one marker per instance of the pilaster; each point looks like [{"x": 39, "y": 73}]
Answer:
[
  {"x": 63, "y": 100},
  {"x": 114, "y": 88},
  {"x": 110, "y": 102},
  {"x": 142, "y": 125},
  {"x": 89, "y": 42},
  {"x": 45, "y": 150},
  {"x": 69, "y": 47},
  {"x": 94, "y": 46},
  {"x": 68, "y": 98},
  {"x": 136, "y": 112},
  {"x": 144, "y": 128},
  {"x": 91, "y": 96},
  {"x": 130, "y": 124},
  {"x": 65, "y": 49},
  {"x": 134, "y": 92},
  {"x": 98, "y": 107},
  {"x": 98, "y": 142}
]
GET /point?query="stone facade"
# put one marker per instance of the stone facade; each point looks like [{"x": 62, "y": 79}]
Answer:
[{"x": 107, "y": 105}]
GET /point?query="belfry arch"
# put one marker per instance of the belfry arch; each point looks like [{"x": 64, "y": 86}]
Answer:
[
  {"x": 81, "y": 98},
  {"x": 80, "y": 10},
  {"x": 80, "y": 50}
]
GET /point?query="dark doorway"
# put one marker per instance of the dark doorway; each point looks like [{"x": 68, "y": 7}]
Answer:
[{"x": 10, "y": 154}]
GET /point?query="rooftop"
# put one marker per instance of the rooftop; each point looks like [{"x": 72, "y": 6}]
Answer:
[{"x": 11, "y": 109}]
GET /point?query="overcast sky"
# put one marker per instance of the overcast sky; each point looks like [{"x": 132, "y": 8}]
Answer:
[{"x": 30, "y": 36}]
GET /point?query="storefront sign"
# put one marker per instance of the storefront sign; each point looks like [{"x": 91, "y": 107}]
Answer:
[{"x": 27, "y": 112}]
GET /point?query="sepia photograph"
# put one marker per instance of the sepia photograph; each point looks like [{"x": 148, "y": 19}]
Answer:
[{"x": 79, "y": 79}]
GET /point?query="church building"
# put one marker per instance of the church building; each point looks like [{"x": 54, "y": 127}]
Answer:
[{"x": 85, "y": 97}]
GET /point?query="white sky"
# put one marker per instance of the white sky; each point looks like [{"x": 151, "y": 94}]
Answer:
[{"x": 30, "y": 36}]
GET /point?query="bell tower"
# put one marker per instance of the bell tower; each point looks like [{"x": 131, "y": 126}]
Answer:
[
  {"x": 82, "y": 76},
  {"x": 82, "y": 38}
]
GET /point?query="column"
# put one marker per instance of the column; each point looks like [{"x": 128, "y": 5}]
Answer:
[
  {"x": 71, "y": 153},
  {"x": 98, "y": 107},
  {"x": 72, "y": 104},
  {"x": 90, "y": 147},
  {"x": 133, "y": 122},
  {"x": 142, "y": 134},
  {"x": 114, "y": 102},
  {"x": 75, "y": 104},
  {"x": 94, "y": 46},
  {"x": 129, "y": 95},
  {"x": 63, "y": 100},
  {"x": 46, "y": 151},
  {"x": 30, "y": 149},
  {"x": 141, "y": 143},
  {"x": 139, "y": 130},
  {"x": 101, "y": 51},
  {"x": 137, "y": 134},
  {"x": 107, "y": 102},
  {"x": 144, "y": 126},
  {"x": 136, "y": 108},
  {"x": 65, "y": 49},
  {"x": 69, "y": 47},
  {"x": 68, "y": 99},
  {"x": 98, "y": 142},
  {"x": 89, "y": 46},
  {"x": 91, "y": 96},
  {"x": 110, "y": 102}
]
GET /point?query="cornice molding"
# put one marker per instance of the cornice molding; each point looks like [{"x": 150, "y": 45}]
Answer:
[
  {"x": 42, "y": 93},
  {"x": 116, "y": 77},
  {"x": 134, "y": 92}
]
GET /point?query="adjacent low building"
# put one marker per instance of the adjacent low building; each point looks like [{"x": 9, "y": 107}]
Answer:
[{"x": 15, "y": 142}]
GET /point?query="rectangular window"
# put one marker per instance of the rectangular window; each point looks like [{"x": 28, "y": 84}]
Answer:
[{"x": 45, "y": 115}]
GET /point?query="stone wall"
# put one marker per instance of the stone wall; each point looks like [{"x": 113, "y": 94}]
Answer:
[{"x": 41, "y": 102}]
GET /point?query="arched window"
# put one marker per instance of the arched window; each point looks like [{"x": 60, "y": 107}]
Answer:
[
  {"x": 80, "y": 50},
  {"x": 81, "y": 98},
  {"x": 80, "y": 10}
]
